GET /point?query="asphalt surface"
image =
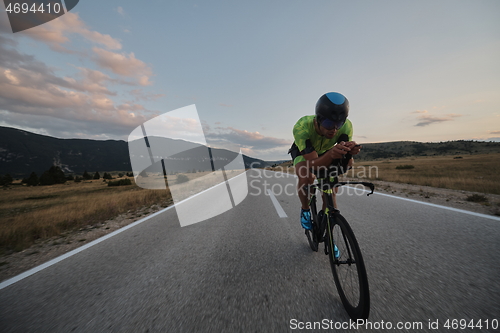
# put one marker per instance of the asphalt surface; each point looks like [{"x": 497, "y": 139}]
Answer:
[{"x": 250, "y": 270}]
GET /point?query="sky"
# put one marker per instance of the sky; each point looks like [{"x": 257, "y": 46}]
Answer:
[{"x": 425, "y": 71}]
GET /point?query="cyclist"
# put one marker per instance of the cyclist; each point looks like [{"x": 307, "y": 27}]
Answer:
[{"x": 320, "y": 141}]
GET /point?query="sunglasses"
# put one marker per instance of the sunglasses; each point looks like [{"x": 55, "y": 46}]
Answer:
[{"x": 331, "y": 125}]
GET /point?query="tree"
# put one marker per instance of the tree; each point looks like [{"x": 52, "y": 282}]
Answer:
[
  {"x": 47, "y": 179},
  {"x": 86, "y": 176},
  {"x": 97, "y": 175},
  {"x": 6, "y": 180},
  {"x": 32, "y": 179},
  {"x": 53, "y": 176},
  {"x": 58, "y": 174}
]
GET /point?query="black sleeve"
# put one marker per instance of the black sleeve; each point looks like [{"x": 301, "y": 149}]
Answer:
[{"x": 309, "y": 148}]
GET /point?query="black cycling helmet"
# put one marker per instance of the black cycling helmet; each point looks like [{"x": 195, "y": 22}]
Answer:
[{"x": 332, "y": 110}]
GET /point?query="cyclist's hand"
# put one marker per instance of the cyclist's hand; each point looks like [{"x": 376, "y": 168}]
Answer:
[
  {"x": 339, "y": 150},
  {"x": 355, "y": 148}
]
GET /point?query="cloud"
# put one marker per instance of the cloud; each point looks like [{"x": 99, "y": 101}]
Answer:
[
  {"x": 22, "y": 74},
  {"x": 120, "y": 11},
  {"x": 56, "y": 33},
  {"x": 251, "y": 143},
  {"x": 426, "y": 119},
  {"x": 123, "y": 64},
  {"x": 30, "y": 91},
  {"x": 91, "y": 81},
  {"x": 495, "y": 132},
  {"x": 31, "y": 94},
  {"x": 77, "y": 104},
  {"x": 139, "y": 94}
]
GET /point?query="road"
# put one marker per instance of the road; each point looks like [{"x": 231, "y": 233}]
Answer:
[{"x": 250, "y": 270}]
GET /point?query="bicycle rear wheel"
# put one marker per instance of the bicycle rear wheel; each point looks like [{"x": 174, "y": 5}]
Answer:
[
  {"x": 312, "y": 235},
  {"x": 348, "y": 268},
  {"x": 312, "y": 239}
]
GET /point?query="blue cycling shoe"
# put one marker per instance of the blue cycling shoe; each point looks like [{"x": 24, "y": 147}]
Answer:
[
  {"x": 336, "y": 251},
  {"x": 305, "y": 219}
]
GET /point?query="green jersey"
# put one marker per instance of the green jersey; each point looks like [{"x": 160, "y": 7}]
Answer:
[{"x": 304, "y": 130}]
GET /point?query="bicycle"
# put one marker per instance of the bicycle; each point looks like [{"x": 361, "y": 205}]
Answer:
[{"x": 341, "y": 246}]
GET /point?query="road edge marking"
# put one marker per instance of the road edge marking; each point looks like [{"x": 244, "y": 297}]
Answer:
[
  {"x": 36, "y": 269},
  {"x": 491, "y": 217},
  {"x": 277, "y": 206}
]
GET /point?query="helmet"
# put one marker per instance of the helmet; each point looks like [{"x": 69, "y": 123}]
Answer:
[{"x": 332, "y": 110}]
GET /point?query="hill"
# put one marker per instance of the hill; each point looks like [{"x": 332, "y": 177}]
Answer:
[
  {"x": 23, "y": 152},
  {"x": 402, "y": 149}
]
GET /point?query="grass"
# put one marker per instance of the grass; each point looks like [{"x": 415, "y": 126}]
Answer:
[
  {"x": 28, "y": 214},
  {"x": 476, "y": 173},
  {"x": 405, "y": 167}
]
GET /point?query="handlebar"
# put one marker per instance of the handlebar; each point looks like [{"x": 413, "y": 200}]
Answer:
[
  {"x": 366, "y": 184},
  {"x": 328, "y": 185}
]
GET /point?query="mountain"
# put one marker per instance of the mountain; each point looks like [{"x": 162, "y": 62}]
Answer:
[{"x": 23, "y": 152}]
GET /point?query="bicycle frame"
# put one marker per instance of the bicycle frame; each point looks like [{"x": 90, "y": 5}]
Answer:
[
  {"x": 326, "y": 186},
  {"x": 346, "y": 260}
]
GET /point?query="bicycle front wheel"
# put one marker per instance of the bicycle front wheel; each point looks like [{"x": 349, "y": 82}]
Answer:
[{"x": 348, "y": 268}]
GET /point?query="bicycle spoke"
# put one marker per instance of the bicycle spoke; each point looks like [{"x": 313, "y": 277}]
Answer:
[{"x": 348, "y": 269}]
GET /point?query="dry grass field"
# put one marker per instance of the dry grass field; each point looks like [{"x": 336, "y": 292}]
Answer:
[
  {"x": 475, "y": 173},
  {"x": 31, "y": 213},
  {"x": 28, "y": 214}
]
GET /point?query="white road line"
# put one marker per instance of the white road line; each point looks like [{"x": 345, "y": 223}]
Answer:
[
  {"x": 54, "y": 261},
  {"x": 491, "y": 217},
  {"x": 279, "y": 209},
  {"x": 437, "y": 206}
]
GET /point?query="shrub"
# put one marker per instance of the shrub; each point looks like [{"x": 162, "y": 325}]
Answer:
[
  {"x": 107, "y": 176},
  {"x": 404, "y": 167},
  {"x": 120, "y": 182},
  {"x": 182, "y": 179},
  {"x": 6, "y": 180},
  {"x": 477, "y": 198}
]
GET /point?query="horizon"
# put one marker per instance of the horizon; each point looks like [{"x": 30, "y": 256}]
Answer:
[
  {"x": 253, "y": 69},
  {"x": 276, "y": 160}
]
